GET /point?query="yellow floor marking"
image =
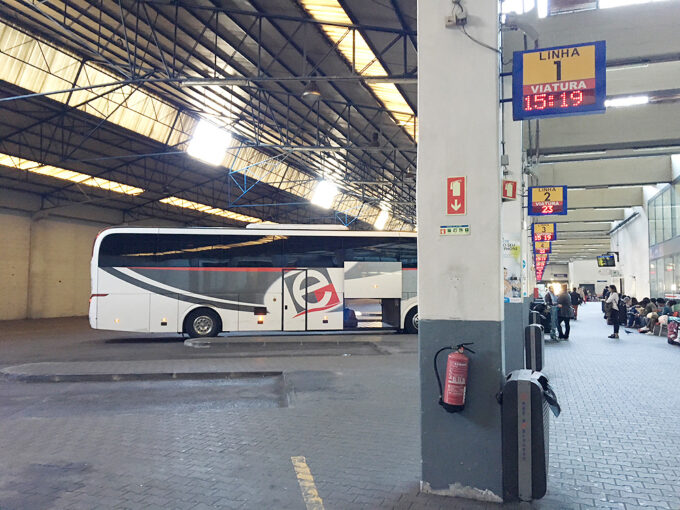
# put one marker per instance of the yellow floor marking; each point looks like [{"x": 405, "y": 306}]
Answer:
[{"x": 307, "y": 486}]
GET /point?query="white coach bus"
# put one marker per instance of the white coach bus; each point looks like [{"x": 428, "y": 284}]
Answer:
[{"x": 202, "y": 281}]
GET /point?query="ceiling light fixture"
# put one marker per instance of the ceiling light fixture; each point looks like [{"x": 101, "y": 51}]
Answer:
[
  {"x": 311, "y": 92},
  {"x": 382, "y": 219},
  {"x": 542, "y": 8},
  {"x": 209, "y": 143},
  {"x": 619, "y": 102},
  {"x": 324, "y": 194}
]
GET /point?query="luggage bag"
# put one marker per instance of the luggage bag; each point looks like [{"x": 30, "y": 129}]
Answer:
[
  {"x": 526, "y": 400},
  {"x": 534, "y": 344}
]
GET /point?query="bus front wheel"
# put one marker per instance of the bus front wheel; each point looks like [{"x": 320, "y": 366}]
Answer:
[
  {"x": 411, "y": 321},
  {"x": 202, "y": 323}
]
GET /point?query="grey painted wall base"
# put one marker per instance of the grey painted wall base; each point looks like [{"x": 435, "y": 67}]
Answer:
[
  {"x": 462, "y": 448},
  {"x": 514, "y": 336}
]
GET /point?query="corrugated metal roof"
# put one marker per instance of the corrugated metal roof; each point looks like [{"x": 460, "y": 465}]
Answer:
[
  {"x": 354, "y": 48},
  {"x": 40, "y": 67}
]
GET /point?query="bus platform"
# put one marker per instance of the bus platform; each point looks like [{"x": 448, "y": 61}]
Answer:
[{"x": 341, "y": 427}]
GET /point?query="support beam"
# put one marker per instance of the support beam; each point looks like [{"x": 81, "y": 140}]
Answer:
[
  {"x": 583, "y": 215},
  {"x": 625, "y": 171},
  {"x": 650, "y": 125},
  {"x": 600, "y": 198},
  {"x": 576, "y": 227}
]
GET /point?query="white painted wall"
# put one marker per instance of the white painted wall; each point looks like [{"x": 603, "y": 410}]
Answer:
[
  {"x": 552, "y": 269},
  {"x": 675, "y": 166},
  {"x": 44, "y": 261},
  {"x": 44, "y": 266},
  {"x": 15, "y": 234},
  {"x": 586, "y": 271},
  {"x": 59, "y": 280},
  {"x": 632, "y": 243}
]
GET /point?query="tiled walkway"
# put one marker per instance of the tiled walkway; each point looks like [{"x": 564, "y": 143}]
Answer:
[{"x": 215, "y": 444}]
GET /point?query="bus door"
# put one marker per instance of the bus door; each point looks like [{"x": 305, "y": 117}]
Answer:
[
  {"x": 294, "y": 299},
  {"x": 313, "y": 299}
]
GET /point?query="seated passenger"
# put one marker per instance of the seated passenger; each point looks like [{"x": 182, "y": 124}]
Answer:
[
  {"x": 634, "y": 317},
  {"x": 668, "y": 308},
  {"x": 652, "y": 315},
  {"x": 676, "y": 307}
]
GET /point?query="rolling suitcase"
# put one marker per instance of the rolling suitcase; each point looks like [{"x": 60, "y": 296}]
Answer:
[
  {"x": 534, "y": 317},
  {"x": 525, "y": 400},
  {"x": 673, "y": 323},
  {"x": 533, "y": 347}
]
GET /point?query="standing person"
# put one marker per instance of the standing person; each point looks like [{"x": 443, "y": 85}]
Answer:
[
  {"x": 575, "y": 301},
  {"x": 605, "y": 296},
  {"x": 564, "y": 314},
  {"x": 611, "y": 306},
  {"x": 582, "y": 293},
  {"x": 550, "y": 298}
]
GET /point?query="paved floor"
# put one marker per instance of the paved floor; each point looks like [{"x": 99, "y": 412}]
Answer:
[{"x": 353, "y": 416}]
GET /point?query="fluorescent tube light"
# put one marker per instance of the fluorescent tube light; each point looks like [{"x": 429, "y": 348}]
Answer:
[
  {"x": 209, "y": 143},
  {"x": 607, "y": 4},
  {"x": 618, "y": 102},
  {"x": 324, "y": 194},
  {"x": 382, "y": 219}
]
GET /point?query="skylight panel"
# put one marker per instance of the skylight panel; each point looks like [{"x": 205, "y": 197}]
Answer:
[
  {"x": 207, "y": 209},
  {"x": 355, "y": 48},
  {"x": 67, "y": 175}
]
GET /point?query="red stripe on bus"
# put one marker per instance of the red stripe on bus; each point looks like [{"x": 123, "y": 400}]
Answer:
[
  {"x": 245, "y": 269},
  {"x": 232, "y": 269}
]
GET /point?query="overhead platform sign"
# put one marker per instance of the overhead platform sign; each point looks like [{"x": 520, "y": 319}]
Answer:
[
  {"x": 542, "y": 248},
  {"x": 544, "y": 231},
  {"x": 547, "y": 200},
  {"x": 564, "y": 80}
]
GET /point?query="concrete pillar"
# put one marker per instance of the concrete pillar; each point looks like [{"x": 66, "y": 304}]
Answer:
[
  {"x": 460, "y": 280},
  {"x": 514, "y": 236}
]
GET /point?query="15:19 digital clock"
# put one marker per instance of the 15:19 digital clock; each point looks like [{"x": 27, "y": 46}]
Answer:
[{"x": 558, "y": 100}]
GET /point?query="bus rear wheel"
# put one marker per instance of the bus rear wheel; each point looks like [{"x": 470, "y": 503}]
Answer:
[
  {"x": 411, "y": 321},
  {"x": 202, "y": 323}
]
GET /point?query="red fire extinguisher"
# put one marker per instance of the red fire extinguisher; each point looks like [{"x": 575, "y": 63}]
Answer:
[{"x": 452, "y": 398}]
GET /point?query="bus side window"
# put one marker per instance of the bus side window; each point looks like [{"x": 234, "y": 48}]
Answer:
[
  {"x": 409, "y": 252},
  {"x": 313, "y": 251},
  {"x": 128, "y": 250},
  {"x": 372, "y": 249},
  {"x": 252, "y": 251},
  {"x": 198, "y": 250}
]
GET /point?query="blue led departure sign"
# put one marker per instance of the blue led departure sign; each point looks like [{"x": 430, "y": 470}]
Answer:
[{"x": 564, "y": 80}]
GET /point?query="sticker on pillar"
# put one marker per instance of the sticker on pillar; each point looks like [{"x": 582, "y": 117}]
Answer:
[
  {"x": 454, "y": 230},
  {"x": 542, "y": 247},
  {"x": 512, "y": 267},
  {"x": 547, "y": 200},
  {"x": 455, "y": 195},
  {"x": 509, "y": 190},
  {"x": 559, "y": 81},
  {"x": 544, "y": 231}
]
